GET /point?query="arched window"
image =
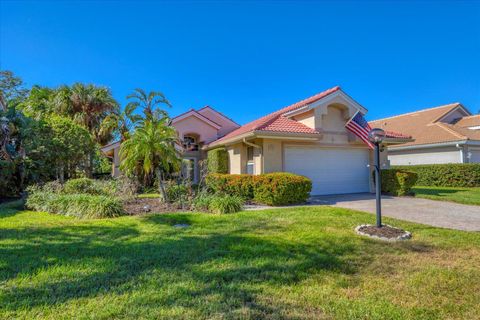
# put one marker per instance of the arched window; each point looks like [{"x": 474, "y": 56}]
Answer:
[{"x": 190, "y": 143}]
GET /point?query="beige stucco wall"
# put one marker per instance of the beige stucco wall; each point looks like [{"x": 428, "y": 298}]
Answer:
[
  {"x": 272, "y": 155},
  {"x": 205, "y": 132},
  {"x": 116, "y": 162},
  {"x": 236, "y": 158}
]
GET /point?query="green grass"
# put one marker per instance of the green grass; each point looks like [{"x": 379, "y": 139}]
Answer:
[
  {"x": 299, "y": 263},
  {"x": 454, "y": 194}
]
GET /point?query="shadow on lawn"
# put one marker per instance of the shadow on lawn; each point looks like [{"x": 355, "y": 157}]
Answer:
[{"x": 225, "y": 264}]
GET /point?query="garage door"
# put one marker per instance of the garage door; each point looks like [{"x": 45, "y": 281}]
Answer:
[{"x": 332, "y": 170}]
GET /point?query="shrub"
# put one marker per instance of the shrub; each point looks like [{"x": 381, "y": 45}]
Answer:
[
  {"x": 233, "y": 184},
  {"x": 77, "y": 205},
  {"x": 217, "y": 161},
  {"x": 446, "y": 175},
  {"x": 398, "y": 182},
  {"x": 8, "y": 184},
  {"x": 218, "y": 203},
  {"x": 176, "y": 192},
  {"x": 225, "y": 204},
  {"x": 90, "y": 186},
  {"x": 202, "y": 202},
  {"x": 281, "y": 188}
]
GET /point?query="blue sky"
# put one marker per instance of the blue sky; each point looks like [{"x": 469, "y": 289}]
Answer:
[{"x": 250, "y": 58}]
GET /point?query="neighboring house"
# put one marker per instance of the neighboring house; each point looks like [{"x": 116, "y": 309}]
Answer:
[
  {"x": 444, "y": 134},
  {"x": 195, "y": 128},
  {"x": 307, "y": 138}
]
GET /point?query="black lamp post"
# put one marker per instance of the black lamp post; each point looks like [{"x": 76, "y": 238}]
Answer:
[{"x": 376, "y": 136}]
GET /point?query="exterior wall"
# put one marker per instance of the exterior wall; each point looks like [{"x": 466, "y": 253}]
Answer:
[
  {"x": 272, "y": 155},
  {"x": 307, "y": 118},
  {"x": 227, "y": 125},
  {"x": 205, "y": 132},
  {"x": 236, "y": 158},
  {"x": 425, "y": 156}
]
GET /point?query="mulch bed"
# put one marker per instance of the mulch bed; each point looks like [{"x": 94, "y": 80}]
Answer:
[
  {"x": 140, "y": 206},
  {"x": 386, "y": 232}
]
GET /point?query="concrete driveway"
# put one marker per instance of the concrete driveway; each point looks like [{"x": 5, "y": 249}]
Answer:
[{"x": 435, "y": 213}]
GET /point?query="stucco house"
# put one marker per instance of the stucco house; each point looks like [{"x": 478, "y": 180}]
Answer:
[
  {"x": 307, "y": 138},
  {"x": 444, "y": 134}
]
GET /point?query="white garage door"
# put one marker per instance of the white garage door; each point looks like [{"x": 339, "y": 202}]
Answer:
[{"x": 332, "y": 170}]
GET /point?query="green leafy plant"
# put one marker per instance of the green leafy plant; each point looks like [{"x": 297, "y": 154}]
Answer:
[
  {"x": 217, "y": 160},
  {"x": 446, "y": 175},
  {"x": 234, "y": 184},
  {"x": 90, "y": 186},
  {"x": 225, "y": 204},
  {"x": 398, "y": 182},
  {"x": 77, "y": 205},
  {"x": 279, "y": 188}
]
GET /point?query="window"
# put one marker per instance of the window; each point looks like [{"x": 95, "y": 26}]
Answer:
[
  {"x": 190, "y": 143},
  {"x": 250, "y": 163}
]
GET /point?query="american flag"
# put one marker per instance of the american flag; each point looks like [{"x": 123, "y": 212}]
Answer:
[{"x": 360, "y": 127}]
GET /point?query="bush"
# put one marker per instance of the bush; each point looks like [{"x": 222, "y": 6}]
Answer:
[
  {"x": 398, "y": 182},
  {"x": 8, "y": 184},
  {"x": 225, "y": 204},
  {"x": 446, "y": 175},
  {"x": 90, "y": 186},
  {"x": 281, "y": 188},
  {"x": 77, "y": 205},
  {"x": 202, "y": 202},
  {"x": 278, "y": 188},
  {"x": 177, "y": 192},
  {"x": 234, "y": 184},
  {"x": 218, "y": 203},
  {"x": 217, "y": 160}
]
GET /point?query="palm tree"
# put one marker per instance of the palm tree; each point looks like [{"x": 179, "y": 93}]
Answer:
[
  {"x": 151, "y": 149},
  {"x": 122, "y": 122},
  {"x": 88, "y": 105},
  {"x": 150, "y": 103}
]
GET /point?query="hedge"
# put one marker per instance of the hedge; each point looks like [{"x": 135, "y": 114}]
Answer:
[
  {"x": 279, "y": 188},
  {"x": 233, "y": 184},
  {"x": 398, "y": 182},
  {"x": 217, "y": 160},
  {"x": 446, "y": 175}
]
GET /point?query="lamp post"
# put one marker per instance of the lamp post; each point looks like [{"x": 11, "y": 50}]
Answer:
[{"x": 376, "y": 136}]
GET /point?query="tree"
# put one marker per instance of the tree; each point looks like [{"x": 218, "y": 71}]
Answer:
[
  {"x": 88, "y": 105},
  {"x": 151, "y": 149},
  {"x": 39, "y": 102},
  {"x": 71, "y": 144},
  {"x": 12, "y": 89},
  {"x": 150, "y": 103},
  {"x": 123, "y": 122}
]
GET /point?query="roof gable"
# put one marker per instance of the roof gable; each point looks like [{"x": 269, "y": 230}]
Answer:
[{"x": 193, "y": 113}]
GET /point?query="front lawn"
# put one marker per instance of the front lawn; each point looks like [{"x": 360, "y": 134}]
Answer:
[
  {"x": 454, "y": 194},
  {"x": 299, "y": 263}
]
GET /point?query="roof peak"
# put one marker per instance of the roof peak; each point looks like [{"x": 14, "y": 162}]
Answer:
[{"x": 455, "y": 104}]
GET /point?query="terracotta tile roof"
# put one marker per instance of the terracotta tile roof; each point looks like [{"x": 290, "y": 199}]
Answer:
[
  {"x": 471, "y": 121},
  {"x": 276, "y": 122},
  {"x": 423, "y": 126}
]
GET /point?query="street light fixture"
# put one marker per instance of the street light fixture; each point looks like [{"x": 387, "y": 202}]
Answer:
[{"x": 376, "y": 136}]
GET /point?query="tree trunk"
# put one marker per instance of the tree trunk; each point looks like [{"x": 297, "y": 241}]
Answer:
[{"x": 161, "y": 186}]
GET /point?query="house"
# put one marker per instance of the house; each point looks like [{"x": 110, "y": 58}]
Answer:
[
  {"x": 307, "y": 138},
  {"x": 444, "y": 134},
  {"x": 196, "y": 129}
]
